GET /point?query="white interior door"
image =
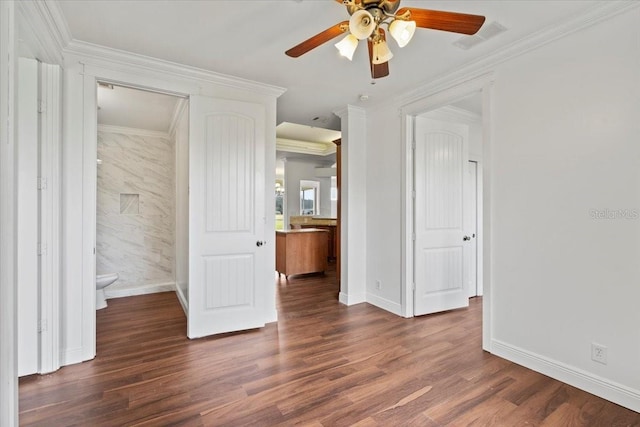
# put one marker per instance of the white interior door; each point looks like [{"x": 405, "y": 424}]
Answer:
[
  {"x": 439, "y": 249},
  {"x": 471, "y": 227},
  {"x": 227, "y": 261}
]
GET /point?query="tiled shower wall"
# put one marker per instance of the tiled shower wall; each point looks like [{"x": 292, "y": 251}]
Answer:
[{"x": 136, "y": 209}]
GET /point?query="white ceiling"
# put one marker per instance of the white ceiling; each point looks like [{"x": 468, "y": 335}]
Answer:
[
  {"x": 133, "y": 108},
  {"x": 298, "y": 132},
  {"x": 248, "y": 39}
]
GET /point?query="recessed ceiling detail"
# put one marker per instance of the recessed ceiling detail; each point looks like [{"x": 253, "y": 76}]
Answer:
[{"x": 305, "y": 147}]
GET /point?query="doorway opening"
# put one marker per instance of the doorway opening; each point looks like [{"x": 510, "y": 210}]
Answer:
[
  {"x": 307, "y": 196},
  {"x": 445, "y": 136},
  {"x": 142, "y": 199}
]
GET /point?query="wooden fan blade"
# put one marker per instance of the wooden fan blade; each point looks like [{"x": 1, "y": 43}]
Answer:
[
  {"x": 462, "y": 23},
  {"x": 318, "y": 39},
  {"x": 377, "y": 70}
]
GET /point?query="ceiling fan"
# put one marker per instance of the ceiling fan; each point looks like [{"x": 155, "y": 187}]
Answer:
[{"x": 367, "y": 18}]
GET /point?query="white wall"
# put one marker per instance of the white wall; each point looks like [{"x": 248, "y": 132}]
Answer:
[
  {"x": 135, "y": 229},
  {"x": 564, "y": 143},
  {"x": 383, "y": 194},
  {"x": 354, "y": 242},
  {"x": 181, "y": 138},
  {"x": 296, "y": 171}
]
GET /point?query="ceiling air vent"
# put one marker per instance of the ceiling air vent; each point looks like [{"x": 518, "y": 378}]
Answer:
[{"x": 486, "y": 32}]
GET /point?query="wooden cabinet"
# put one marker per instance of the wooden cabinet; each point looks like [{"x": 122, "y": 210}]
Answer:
[
  {"x": 301, "y": 251},
  {"x": 332, "y": 241}
]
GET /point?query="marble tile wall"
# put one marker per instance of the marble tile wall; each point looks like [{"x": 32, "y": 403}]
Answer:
[{"x": 136, "y": 209}]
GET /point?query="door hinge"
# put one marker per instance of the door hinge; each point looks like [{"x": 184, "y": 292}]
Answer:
[
  {"x": 42, "y": 325},
  {"x": 42, "y": 183},
  {"x": 413, "y": 236},
  {"x": 413, "y": 194},
  {"x": 42, "y": 249},
  {"x": 42, "y": 107},
  {"x": 413, "y": 286},
  {"x": 413, "y": 144}
]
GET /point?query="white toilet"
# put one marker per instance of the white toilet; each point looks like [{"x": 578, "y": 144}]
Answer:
[{"x": 102, "y": 281}]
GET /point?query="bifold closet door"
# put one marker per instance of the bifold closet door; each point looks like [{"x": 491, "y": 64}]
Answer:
[{"x": 27, "y": 216}]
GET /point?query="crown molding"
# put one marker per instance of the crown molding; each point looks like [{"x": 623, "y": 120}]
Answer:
[
  {"x": 48, "y": 29},
  {"x": 133, "y": 131},
  {"x": 54, "y": 39},
  {"x": 350, "y": 110},
  {"x": 93, "y": 54},
  {"x": 602, "y": 11},
  {"x": 305, "y": 147}
]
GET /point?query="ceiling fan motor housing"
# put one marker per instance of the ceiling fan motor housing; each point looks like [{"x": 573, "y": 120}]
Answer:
[{"x": 388, "y": 6}]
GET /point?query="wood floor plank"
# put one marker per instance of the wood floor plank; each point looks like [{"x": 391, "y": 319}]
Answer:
[{"x": 322, "y": 364}]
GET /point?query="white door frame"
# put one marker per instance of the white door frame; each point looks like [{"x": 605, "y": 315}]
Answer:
[
  {"x": 408, "y": 113},
  {"x": 92, "y": 75},
  {"x": 181, "y": 82},
  {"x": 8, "y": 199},
  {"x": 479, "y": 223}
]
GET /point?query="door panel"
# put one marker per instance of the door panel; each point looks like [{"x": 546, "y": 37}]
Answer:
[
  {"x": 471, "y": 219},
  {"x": 227, "y": 277},
  {"x": 440, "y": 251},
  {"x": 27, "y": 261}
]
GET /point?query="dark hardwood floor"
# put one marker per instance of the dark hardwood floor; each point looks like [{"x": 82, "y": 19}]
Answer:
[{"x": 322, "y": 364}]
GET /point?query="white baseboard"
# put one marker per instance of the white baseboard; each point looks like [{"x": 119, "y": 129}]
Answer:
[
  {"x": 72, "y": 356},
  {"x": 183, "y": 300},
  {"x": 609, "y": 390},
  {"x": 140, "y": 290},
  {"x": 352, "y": 299},
  {"x": 385, "y": 304}
]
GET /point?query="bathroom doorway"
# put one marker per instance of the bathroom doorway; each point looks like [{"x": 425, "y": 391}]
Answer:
[{"x": 141, "y": 193}]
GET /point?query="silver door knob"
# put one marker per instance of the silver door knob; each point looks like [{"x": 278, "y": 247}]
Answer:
[
  {"x": 465, "y": 238},
  {"x": 260, "y": 243}
]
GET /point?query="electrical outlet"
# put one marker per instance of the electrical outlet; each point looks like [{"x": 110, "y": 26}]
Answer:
[
  {"x": 599, "y": 353},
  {"x": 378, "y": 284}
]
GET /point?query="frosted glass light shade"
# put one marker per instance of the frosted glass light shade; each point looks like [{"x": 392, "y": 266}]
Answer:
[
  {"x": 347, "y": 46},
  {"x": 381, "y": 53},
  {"x": 402, "y": 31},
  {"x": 362, "y": 24}
]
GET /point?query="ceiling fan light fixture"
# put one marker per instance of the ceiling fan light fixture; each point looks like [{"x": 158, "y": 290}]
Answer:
[
  {"x": 402, "y": 31},
  {"x": 347, "y": 46},
  {"x": 362, "y": 24},
  {"x": 371, "y": 19},
  {"x": 381, "y": 53}
]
